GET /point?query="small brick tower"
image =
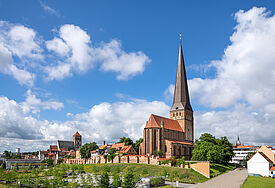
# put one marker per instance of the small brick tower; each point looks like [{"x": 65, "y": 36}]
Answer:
[{"x": 77, "y": 139}]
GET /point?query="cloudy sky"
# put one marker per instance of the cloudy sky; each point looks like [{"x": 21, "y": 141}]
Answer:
[{"x": 102, "y": 67}]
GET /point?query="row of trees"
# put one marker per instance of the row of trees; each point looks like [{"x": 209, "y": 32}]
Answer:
[{"x": 85, "y": 150}]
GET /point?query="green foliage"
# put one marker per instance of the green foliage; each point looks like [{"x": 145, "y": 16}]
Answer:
[
  {"x": 129, "y": 180},
  {"x": 208, "y": 148},
  {"x": 127, "y": 141},
  {"x": 48, "y": 161},
  {"x": 155, "y": 153},
  {"x": 164, "y": 162},
  {"x": 216, "y": 169},
  {"x": 249, "y": 155},
  {"x": 15, "y": 167},
  {"x": 173, "y": 161},
  {"x": 117, "y": 180},
  {"x": 59, "y": 161},
  {"x": 137, "y": 144},
  {"x": 85, "y": 150},
  {"x": 112, "y": 151},
  {"x": 104, "y": 180},
  {"x": 2, "y": 167},
  {"x": 160, "y": 153},
  {"x": 156, "y": 181},
  {"x": 69, "y": 156},
  {"x": 7, "y": 154}
]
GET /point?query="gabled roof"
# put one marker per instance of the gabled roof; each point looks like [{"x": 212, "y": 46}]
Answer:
[
  {"x": 76, "y": 134},
  {"x": 155, "y": 121},
  {"x": 266, "y": 158},
  {"x": 118, "y": 146}
]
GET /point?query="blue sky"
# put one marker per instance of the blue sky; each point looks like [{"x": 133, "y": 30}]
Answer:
[{"x": 143, "y": 39}]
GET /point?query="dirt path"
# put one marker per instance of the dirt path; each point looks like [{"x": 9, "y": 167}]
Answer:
[{"x": 233, "y": 179}]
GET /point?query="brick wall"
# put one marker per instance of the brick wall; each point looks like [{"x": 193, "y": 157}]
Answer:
[{"x": 202, "y": 167}]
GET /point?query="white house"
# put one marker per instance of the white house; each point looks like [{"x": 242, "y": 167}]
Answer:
[{"x": 259, "y": 164}]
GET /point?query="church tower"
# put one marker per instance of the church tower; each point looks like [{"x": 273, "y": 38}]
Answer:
[
  {"x": 181, "y": 109},
  {"x": 77, "y": 139}
]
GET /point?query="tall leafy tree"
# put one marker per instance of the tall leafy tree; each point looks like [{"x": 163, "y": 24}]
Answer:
[
  {"x": 127, "y": 141},
  {"x": 208, "y": 148},
  {"x": 85, "y": 150},
  {"x": 137, "y": 144}
]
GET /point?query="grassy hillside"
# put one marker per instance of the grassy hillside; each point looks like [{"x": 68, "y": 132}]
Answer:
[
  {"x": 216, "y": 169},
  {"x": 141, "y": 170}
]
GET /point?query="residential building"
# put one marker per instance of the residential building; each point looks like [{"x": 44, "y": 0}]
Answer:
[
  {"x": 173, "y": 136},
  {"x": 262, "y": 162},
  {"x": 241, "y": 152}
]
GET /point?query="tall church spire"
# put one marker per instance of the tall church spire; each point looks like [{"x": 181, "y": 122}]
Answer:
[{"x": 181, "y": 95}]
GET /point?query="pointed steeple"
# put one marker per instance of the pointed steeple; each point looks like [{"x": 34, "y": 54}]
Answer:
[{"x": 181, "y": 95}]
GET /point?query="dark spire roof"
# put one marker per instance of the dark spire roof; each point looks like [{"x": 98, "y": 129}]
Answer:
[{"x": 181, "y": 95}]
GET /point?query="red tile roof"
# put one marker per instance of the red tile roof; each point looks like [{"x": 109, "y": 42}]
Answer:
[
  {"x": 103, "y": 146},
  {"x": 118, "y": 146},
  {"x": 77, "y": 134},
  {"x": 245, "y": 146},
  {"x": 155, "y": 121},
  {"x": 272, "y": 168},
  {"x": 180, "y": 142}
]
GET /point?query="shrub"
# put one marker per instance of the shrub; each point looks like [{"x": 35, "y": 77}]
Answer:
[
  {"x": 117, "y": 180},
  {"x": 104, "y": 180}
]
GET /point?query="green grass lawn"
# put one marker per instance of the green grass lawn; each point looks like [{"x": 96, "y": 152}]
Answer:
[
  {"x": 216, "y": 169},
  {"x": 174, "y": 173},
  {"x": 258, "y": 182}
]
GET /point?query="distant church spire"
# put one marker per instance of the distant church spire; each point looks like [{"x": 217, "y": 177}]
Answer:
[{"x": 181, "y": 95}]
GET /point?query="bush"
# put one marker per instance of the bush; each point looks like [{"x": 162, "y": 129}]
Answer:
[
  {"x": 129, "y": 180},
  {"x": 117, "y": 180},
  {"x": 164, "y": 162},
  {"x": 156, "y": 181},
  {"x": 104, "y": 180}
]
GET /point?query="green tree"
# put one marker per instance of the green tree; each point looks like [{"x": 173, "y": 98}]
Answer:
[
  {"x": 127, "y": 141},
  {"x": 137, "y": 144},
  {"x": 2, "y": 167},
  {"x": 15, "y": 167},
  {"x": 208, "y": 148},
  {"x": 7, "y": 154},
  {"x": 104, "y": 181},
  {"x": 117, "y": 180},
  {"x": 85, "y": 150},
  {"x": 129, "y": 180},
  {"x": 49, "y": 162}
]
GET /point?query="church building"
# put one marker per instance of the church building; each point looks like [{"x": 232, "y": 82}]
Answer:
[{"x": 173, "y": 136}]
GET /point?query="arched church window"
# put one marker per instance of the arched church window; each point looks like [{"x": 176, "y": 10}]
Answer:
[
  {"x": 180, "y": 114},
  {"x": 177, "y": 113},
  {"x": 165, "y": 149}
]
